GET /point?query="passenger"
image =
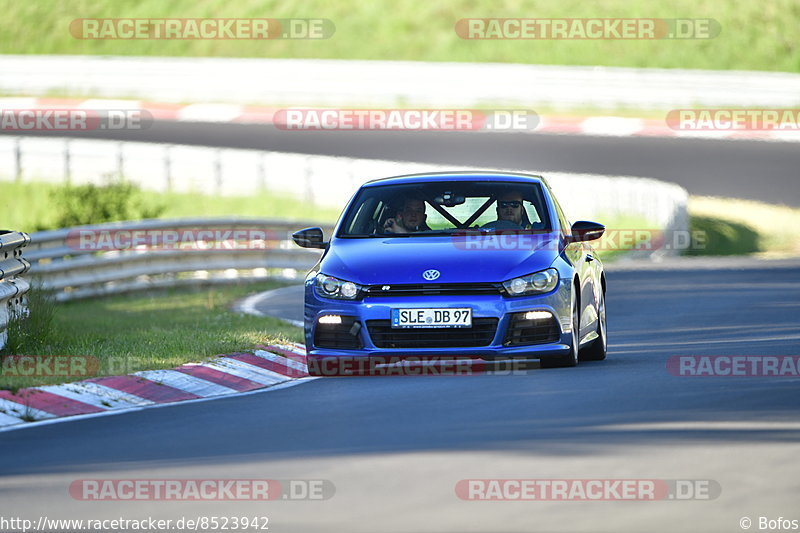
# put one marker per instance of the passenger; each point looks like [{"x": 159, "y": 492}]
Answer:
[{"x": 409, "y": 219}]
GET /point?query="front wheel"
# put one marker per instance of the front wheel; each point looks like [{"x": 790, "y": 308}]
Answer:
[
  {"x": 597, "y": 350},
  {"x": 571, "y": 357}
]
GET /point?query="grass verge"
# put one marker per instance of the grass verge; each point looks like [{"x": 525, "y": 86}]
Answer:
[
  {"x": 754, "y": 36},
  {"x": 35, "y": 205},
  {"x": 744, "y": 227},
  {"x": 128, "y": 333}
]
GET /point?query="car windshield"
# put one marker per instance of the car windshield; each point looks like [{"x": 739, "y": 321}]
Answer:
[{"x": 444, "y": 207}]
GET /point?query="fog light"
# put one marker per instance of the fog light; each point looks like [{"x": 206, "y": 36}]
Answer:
[
  {"x": 537, "y": 315},
  {"x": 330, "y": 319}
]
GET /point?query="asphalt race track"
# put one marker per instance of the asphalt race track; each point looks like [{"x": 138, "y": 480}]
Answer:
[
  {"x": 395, "y": 447},
  {"x": 757, "y": 170}
]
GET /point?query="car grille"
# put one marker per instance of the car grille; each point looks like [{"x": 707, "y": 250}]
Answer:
[
  {"x": 480, "y": 334},
  {"x": 337, "y": 335},
  {"x": 522, "y": 331},
  {"x": 433, "y": 289}
]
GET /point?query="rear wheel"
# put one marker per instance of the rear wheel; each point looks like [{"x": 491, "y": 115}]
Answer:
[
  {"x": 597, "y": 350},
  {"x": 571, "y": 357}
]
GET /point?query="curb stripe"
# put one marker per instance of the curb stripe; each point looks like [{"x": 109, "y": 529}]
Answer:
[
  {"x": 293, "y": 357},
  {"x": 49, "y": 403},
  {"x": 185, "y": 382},
  {"x": 144, "y": 388},
  {"x": 269, "y": 365},
  {"x": 7, "y": 420},
  {"x": 247, "y": 371},
  {"x": 293, "y": 349},
  {"x": 220, "y": 378},
  {"x": 119, "y": 398},
  {"x": 227, "y": 374},
  {"x": 95, "y": 394},
  {"x": 17, "y": 411},
  {"x": 281, "y": 360}
]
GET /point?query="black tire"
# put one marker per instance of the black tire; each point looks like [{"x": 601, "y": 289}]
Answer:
[
  {"x": 597, "y": 350},
  {"x": 571, "y": 358}
]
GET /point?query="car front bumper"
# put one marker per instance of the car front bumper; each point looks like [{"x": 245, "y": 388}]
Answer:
[{"x": 364, "y": 312}]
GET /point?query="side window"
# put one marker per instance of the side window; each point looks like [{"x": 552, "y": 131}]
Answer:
[{"x": 562, "y": 219}]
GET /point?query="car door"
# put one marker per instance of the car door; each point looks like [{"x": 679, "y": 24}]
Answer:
[{"x": 581, "y": 255}]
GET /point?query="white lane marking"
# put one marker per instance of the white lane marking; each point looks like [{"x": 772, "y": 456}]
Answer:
[
  {"x": 52, "y": 420},
  {"x": 281, "y": 360},
  {"x": 736, "y": 340},
  {"x": 105, "y": 104},
  {"x": 246, "y": 371},
  {"x": 248, "y": 306},
  {"x": 726, "y": 425},
  {"x": 20, "y": 410},
  {"x": 615, "y": 126},
  {"x": 185, "y": 382},
  {"x": 19, "y": 103},
  {"x": 785, "y": 135},
  {"x": 210, "y": 112}
]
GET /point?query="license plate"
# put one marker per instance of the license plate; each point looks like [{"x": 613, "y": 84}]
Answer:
[{"x": 432, "y": 318}]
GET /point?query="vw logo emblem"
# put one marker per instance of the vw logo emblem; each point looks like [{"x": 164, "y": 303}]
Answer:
[{"x": 431, "y": 274}]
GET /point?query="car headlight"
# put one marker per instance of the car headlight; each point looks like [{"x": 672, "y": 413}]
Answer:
[
  {"x": 331, "y": 287},
  {"x": 536, "y": 283}
]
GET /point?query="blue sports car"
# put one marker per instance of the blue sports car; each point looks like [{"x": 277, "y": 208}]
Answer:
[{"x": 478, "y": 264}]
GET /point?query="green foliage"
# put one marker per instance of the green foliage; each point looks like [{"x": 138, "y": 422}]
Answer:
[
  {"x": 94, "y": 204},
  {"x": 34, "y": 206},
  {"x": 724, "y": 237},
  {"x": 755, "y": 35}
]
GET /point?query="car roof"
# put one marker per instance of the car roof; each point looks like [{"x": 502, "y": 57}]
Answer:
[{"x": 459, "y": 175}]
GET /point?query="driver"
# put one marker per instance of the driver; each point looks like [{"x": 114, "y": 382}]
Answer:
[
  {"x": 510, "y": 212},
  {"x": 409, "y": 219}
]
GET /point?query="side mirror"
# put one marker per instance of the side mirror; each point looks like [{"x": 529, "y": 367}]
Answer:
[
  {"x": 309, "y": 238},
  {"x": 583, "y": 230}
]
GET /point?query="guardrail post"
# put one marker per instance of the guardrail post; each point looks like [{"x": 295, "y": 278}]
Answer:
[
  {"x": 120, "y": 160},
  {"x": 261, "y": 175},
  {"x": 218, "y": 171},
  {"x": 168, "y": 168},
  {"x": 12, "y": 287},
  {"x": 309, "y": 183},
  {"x": 67, "y": 163},
  {"x": 17, "y": 160}
]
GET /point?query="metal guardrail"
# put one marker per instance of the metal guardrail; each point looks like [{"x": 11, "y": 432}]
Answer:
[
  {"x": 12, "y": 287},
  {"x": 75, "y": 268}
]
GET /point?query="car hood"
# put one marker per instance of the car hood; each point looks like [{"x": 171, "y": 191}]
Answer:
[{"x": 393, "y": 260}]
